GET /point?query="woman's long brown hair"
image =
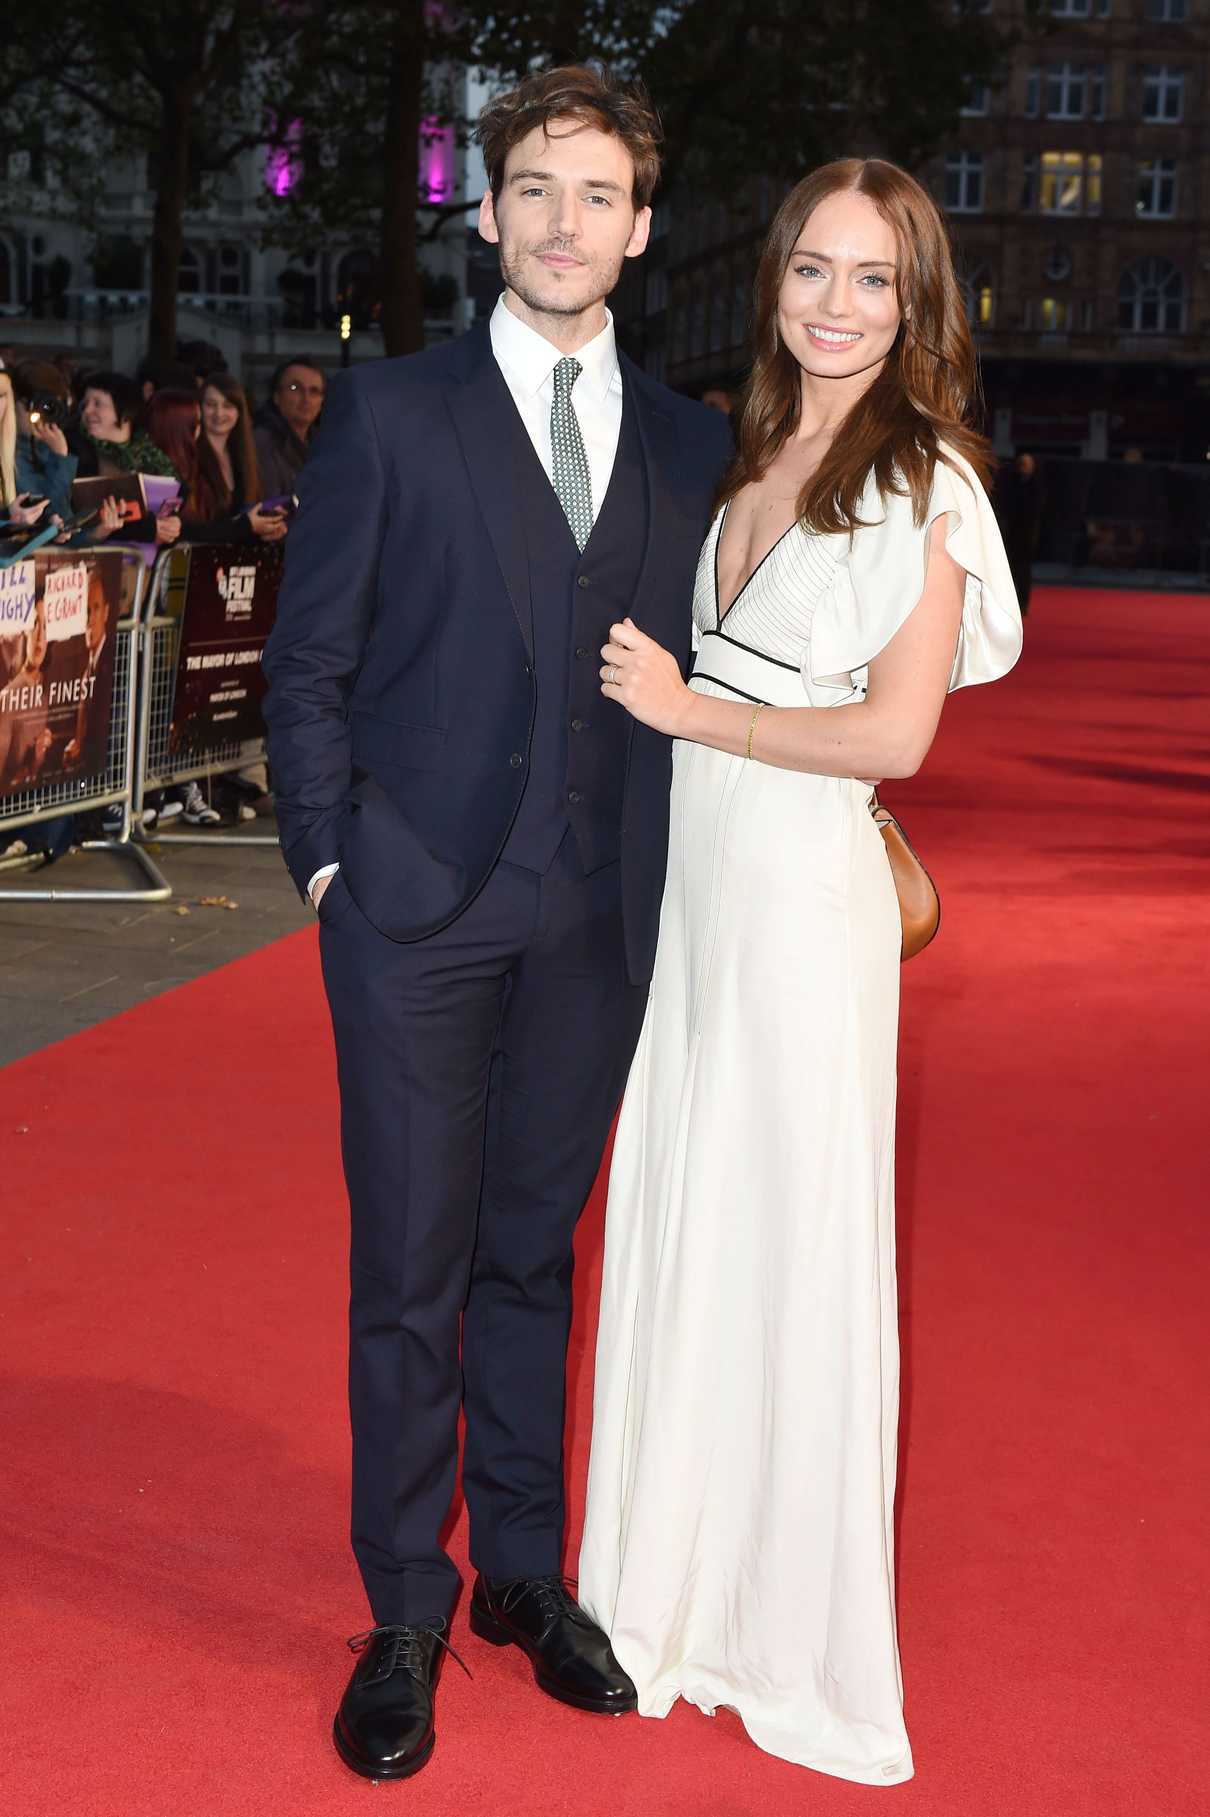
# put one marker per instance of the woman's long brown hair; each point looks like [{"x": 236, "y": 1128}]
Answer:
[
  {"x": 212, "y": 497},
  {"x": 924, "y": 392}
]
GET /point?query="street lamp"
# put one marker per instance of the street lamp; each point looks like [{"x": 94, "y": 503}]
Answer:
[{"x": 346, "y": 330}]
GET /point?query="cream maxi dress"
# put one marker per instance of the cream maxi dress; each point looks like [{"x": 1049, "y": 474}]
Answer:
[{"x": 738, "y": 1540}]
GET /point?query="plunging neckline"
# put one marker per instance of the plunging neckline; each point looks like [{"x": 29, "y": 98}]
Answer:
[{"x": 719, "y": 614}]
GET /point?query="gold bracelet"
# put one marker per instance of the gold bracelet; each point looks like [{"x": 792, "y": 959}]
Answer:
[{"x": 756, "y": 713}]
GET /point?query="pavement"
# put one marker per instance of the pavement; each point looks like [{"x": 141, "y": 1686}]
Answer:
[{"x": 67, "y": 965}]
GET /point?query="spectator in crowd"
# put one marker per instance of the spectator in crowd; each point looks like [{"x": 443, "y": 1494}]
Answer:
[
  {"x": 285, "y": 424},
  {"x": 717, "y": 397},
  {"x": 210, "y": 445},
  {"x": 42, "y": 462},
  {"x": 229, "y": 478},
  {"x": 1018, "y": 505},
  {"x": 111, "y": 443},
  {"x": 203, "y": 360},
  {"x": 156, "y": 374},
  {"x": 15, "y": 508}
]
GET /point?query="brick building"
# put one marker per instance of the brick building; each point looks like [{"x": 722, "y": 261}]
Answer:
[{"x": 1078, "y": 189}]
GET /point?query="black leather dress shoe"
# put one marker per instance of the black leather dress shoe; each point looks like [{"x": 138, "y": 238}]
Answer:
[
  {"x": 384, "y": 1726},
  {"x": 572, "y": 1658}
]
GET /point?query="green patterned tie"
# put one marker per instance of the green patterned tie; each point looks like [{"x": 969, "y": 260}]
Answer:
[{"x": 569, "y": 463}]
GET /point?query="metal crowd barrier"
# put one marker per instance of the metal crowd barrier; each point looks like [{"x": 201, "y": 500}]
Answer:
[
  {"x": 112, "y": 788},
  {"x": 157, "y": 766}
]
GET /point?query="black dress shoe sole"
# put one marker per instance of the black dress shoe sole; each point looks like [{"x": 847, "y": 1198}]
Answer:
[
  {"x": 497, "y": 1635},
  {"x": 367, "y": 1771}
]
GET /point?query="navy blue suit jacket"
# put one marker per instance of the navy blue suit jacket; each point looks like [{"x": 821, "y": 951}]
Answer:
[{"x": 401, "y": 695}]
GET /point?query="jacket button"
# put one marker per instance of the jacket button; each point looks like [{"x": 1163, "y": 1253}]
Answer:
[
  {"x": 528, "y": 669},
  {"x": 583, "y": 653},
  {"x": 577, "y": 725},
  {"x": 515, "y": 761},
  {"x": 574, "y": 796},
  {"x": 583, "y": 581}
]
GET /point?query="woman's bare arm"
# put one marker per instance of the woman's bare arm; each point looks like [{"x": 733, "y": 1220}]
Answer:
[{"x": 886, "y": 734}]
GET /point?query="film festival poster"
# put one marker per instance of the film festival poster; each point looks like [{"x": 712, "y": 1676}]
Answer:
[
  {"x": 227, "y": 608},
  {"x": 58, "y": 641}
]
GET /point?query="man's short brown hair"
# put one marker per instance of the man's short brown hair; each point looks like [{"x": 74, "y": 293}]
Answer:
[{"x": 576, "y": 92}]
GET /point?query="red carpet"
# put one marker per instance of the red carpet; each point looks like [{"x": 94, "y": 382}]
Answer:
[{"x": 176, "y": 1577}]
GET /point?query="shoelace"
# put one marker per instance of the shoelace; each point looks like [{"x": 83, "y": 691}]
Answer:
[
  {"x": 402, "y": 1654},
  {"x": 552, "y": 1595}
]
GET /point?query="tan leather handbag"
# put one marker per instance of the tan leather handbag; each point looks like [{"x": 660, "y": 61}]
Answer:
[{"x": 919, "y": 903}]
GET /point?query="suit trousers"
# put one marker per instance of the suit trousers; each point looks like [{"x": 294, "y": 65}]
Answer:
[{"x": 479, "y": 1072}]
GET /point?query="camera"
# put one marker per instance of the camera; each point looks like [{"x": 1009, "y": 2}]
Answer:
[{"x": 45, "y": 407}]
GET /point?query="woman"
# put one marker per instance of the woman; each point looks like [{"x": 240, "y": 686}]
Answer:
[
  {"x": 227, "y": 488},
  {"x": 112, "y": 444},
  {"x": 15, "y": 507},
  {"x": 738, "y": 1541},
  {"x": 42, "y": 463}
]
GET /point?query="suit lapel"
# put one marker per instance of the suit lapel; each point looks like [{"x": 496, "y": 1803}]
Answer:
[{"x": 486, "y": 421}]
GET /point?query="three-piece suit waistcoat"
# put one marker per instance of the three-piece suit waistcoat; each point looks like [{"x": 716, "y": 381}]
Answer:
[{"x": 580, "y": 741}]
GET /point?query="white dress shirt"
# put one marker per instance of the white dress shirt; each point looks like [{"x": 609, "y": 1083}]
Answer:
[{"x": 528, "y": 363}]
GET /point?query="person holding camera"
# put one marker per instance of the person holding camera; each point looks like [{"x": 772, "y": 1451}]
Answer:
[{"x": 43, "y": 464}]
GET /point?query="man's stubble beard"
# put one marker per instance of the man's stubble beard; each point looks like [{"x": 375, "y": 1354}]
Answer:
[{"x": 512, "y": 270}]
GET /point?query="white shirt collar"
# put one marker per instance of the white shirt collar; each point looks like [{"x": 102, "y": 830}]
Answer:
[{"x": 528, "y": 359}]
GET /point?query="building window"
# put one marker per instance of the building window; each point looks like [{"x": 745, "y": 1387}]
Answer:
[
  {"x": 964, "y": 182},
  {"x": 1056, "y": 267},
  {"x": 1151, "y": 298},
  {"x": 230, "y": 271},
  {"x": 1156, "y": 195},
  {"x": 1079, "y": 9},
  {"x": 980, "y": 297},
  {"x": 1055, "y": 315},
  {"x": 189, "y": 276},
  {"x": 8, "y": 274},
  {"x": 1029, "y": 182},
  {"x": 1163, "y": 93},
  {"x": 1166, "y": 12},
  {"x": 1074, "y": 92},
  {"x": 1033, "y": 85},
  {"x": 1070, "y": 183},
  {"x": 978, "y": 100}
]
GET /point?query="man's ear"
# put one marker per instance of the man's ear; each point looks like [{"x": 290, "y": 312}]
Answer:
[
  {"x": 639, "y": 233},
  {"x": 487, "y": 221}
]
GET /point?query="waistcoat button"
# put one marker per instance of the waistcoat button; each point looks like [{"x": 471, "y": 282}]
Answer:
[
  {"x": 582, "y": 580},
  {"x": 583, "y": 653},
  {"x": 515, "y": 761},
  {"x": 577, "y": 725},
  {"x": 574, "y": 796}
]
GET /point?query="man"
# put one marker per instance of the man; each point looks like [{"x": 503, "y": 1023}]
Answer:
[
  {"x": 283, "y": 427},
  {"x": 485, "y": 839}
]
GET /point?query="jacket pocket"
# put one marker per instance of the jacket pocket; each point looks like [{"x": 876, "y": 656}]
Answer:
[{"x": 384, "y": 741}]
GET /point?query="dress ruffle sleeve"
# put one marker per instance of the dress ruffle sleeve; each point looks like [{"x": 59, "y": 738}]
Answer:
[{"x": 880, "y": 575}]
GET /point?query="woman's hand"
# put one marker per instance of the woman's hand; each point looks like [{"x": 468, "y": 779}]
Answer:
[
  {"x": 645, "y": 678},
  {"x": 50, "y": 434},
  {"x": 270, "y": 526},
  {"x": 21, "y": 513},
  {"x": 167, "y": 526},
  {"x": 109, "y": 520}
]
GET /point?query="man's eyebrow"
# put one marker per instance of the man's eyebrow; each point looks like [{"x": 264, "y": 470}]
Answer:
[
  {"x": 804, "y": 252},
  {"x": 548, "y": 176}
]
